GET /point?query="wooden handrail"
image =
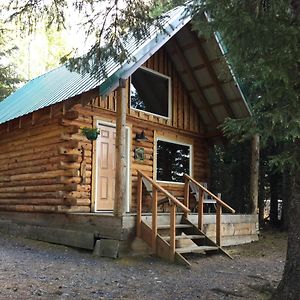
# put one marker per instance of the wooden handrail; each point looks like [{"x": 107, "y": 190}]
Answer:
[
  {"x": 173, "y": 203},
  {"x": 167, "y": 194},
  {"x": 222, "y": 203}
]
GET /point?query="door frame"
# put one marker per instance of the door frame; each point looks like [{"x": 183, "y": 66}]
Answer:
[{"x": 128, "y": 163}]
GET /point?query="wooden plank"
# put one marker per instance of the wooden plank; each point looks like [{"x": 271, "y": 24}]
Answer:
[
  {"x": 194, "y": 81},
  {"x": 193, "y": 249},
  {"x": 186, "y": 195},
  {"x": 154, "y": 218},
  {"x": 200, "y": 210},
  {"x": 211, "y": 194},
  {"x": 171, "y": 197},
  {"x": 218, "y": 224},
  {"x": 172, "y": 232},
  {"x": 212, "y": 74},
  {"x": 139, "y": 205}
]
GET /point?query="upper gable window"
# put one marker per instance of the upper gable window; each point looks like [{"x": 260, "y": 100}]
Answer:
[{"x": 150, "y": 92}]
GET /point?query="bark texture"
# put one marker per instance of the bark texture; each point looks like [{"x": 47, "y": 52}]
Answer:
[{"x": 289, "y": 287}]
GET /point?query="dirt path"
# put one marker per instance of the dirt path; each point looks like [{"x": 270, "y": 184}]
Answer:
[{"x": 37, "y": 270}]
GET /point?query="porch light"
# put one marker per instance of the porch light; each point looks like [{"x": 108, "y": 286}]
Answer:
[{"x": 140, "y": 137}]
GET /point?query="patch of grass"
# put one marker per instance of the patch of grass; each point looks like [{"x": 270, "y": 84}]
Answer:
[{"x": 270, "y": 242}]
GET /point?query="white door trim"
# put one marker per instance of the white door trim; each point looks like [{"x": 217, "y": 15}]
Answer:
[{"x": 128, "y": 139}]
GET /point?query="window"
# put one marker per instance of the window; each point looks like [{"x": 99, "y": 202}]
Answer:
[
  {"x": 150, "y": 92},
  {"x": 172, "y": 161}
]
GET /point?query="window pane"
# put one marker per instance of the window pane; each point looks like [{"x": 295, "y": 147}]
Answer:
[
  {"x": 173, "y": 160},
  {"x": 149, "y": 92}
]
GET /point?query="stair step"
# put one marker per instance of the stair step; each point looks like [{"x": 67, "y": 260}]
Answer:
[
  {"x": 183, "y": 237},
  {"x": 177, "y": 226},
  {"x": 196, "y": 249}
]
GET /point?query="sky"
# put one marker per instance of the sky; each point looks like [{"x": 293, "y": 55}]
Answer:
[{"x": 40, "y": 52}]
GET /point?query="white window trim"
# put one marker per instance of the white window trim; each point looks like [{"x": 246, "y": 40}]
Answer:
[
  {"x": 178, "y": 143},
  {"x": 169, "y": 95}
]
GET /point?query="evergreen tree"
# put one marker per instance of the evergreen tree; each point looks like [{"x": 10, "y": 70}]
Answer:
[{"x": 8, "y": 77}]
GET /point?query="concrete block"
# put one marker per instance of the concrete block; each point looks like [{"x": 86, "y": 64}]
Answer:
[{"x": 107, "y": 248}]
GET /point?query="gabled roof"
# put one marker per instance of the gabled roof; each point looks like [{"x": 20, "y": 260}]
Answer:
[{"x": 61, "y": 84}]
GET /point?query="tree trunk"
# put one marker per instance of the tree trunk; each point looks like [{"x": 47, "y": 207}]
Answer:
[
  {"x": 254, "y": 174},
  {"x": 286, "y": 199},
  {"x": 261, "y": 202},
  {"x": 289, "y": 287}
]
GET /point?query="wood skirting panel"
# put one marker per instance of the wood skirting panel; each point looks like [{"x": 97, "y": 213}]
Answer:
[{"x": 83, "y": 229}]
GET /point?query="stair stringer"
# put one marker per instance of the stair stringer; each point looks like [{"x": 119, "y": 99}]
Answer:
[
  {"x": 195, "y": 230},
  {"x": 162, "y": 246}
]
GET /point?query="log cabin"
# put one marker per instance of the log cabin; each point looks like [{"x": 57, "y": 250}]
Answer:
[{"x": 156, "y": 116}]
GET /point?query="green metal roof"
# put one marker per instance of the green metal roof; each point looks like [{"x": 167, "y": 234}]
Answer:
[{"x": 61, "y": 84}]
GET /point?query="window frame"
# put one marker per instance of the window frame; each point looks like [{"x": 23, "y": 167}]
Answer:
[
  {"x": 169, "y": 94},
  {"x": 174, "y": 141}
]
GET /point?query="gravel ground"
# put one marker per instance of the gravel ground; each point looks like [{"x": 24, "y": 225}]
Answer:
[{"x": 37, "y": 270}]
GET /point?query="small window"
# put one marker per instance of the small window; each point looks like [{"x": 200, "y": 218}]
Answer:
[
  {"x": 149, "y": 91},
  {"x": 173, "y": 161}
]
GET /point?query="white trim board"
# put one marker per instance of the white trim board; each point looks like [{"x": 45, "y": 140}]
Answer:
[
  {"x": 169, "y": 117},
  {"x": 174, "y": 141},
  {"x": 128, "y": 163}
]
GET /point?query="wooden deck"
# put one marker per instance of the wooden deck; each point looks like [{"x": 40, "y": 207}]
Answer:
[{"x": 85, "y": 230}]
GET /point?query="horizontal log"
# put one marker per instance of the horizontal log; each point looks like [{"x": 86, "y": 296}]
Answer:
[
  {"x": 30, "y": 208},
  {"x": 71, "y": 115},
  {"x": 83, "y": 188},
  {"x": 65, "y": 122},
  {"x": 15, "y": 136},
  {"x": 15, "y": 165},
  {"x": 29, "y": 145},
  {"x": 84, "y": 202},
  {"x": 27, "y": 195},
  {"x": 45, "y": 181},
  {"x": 34, "y": 169},
  {"x": 73, "y": 151},
  {"x": 49, "y": 174},
  {"x": 66, "y": 165},
  {"x": 74, "y": 209},
  {"x": 30, "y": 151},
  {"x": 38, "y": 201},
  {"x": 143, "y": 167},
  {"x": 4, "y": 178},
  {"x": 51, "y": 152},
  {"x": 78, "y": 195},
  {"x": 142, "y": 144},
  {"x": 77, "y": 180},
  {"x": 26, "y": 137},
  {"x": 38, "y": 188}
]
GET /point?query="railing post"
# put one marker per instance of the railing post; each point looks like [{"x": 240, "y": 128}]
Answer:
[
  {"x": 139, "y": 206},
  {"x": 186, "y": 194},
  {"x": 154, "y": 218},
  {"x": 172, "y": 231},
  {"x": 200, "y": 210},
  {"x": 218, "y": 224}
]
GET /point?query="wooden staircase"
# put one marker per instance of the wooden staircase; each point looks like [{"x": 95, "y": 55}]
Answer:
[{"x": 173, "y": 236}]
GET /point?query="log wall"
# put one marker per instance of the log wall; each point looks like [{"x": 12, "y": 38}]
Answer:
[
  {"x": 183, "y": 126},
  {"x": 46, "y": 164},
  {"x": 40, "y": 163}
]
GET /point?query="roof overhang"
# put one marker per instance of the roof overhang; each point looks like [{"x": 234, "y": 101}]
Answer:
[{"x": 200, "y": 64}]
